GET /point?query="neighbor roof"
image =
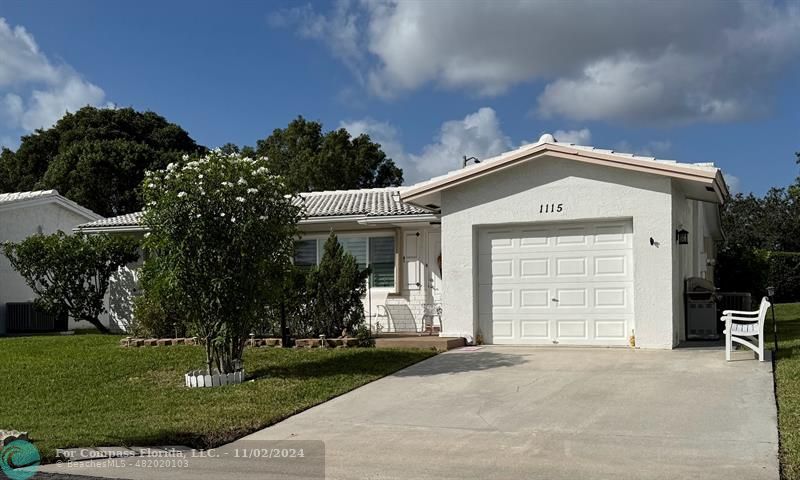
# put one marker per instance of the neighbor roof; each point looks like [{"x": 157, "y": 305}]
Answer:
[
  {"x": 120, "y": 221},
  {"x": 20, "y": 196},
  {"x": 375, "y": 202},
  {"x": 18, "y": 199},
  {"x": 548, "y": 146}
]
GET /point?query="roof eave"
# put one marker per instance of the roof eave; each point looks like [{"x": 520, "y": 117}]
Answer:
[
  {"x": 111, "y": 229},
  {"x": 559, "y": 151},
  {"x": 362, "y": 219}
]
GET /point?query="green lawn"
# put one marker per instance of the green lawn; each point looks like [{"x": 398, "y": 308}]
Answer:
[
  {"x": 787, "y": 376},
  {"x": 84, "y": 390}
]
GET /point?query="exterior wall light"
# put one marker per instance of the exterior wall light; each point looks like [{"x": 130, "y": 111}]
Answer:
[{"x": 683, "y": 237}]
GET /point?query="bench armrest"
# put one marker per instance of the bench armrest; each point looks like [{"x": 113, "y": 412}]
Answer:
[
  {"x": 740, "y": 319},
  {"x": 740, "y": 312}
]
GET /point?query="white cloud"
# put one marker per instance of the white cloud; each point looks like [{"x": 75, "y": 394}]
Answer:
[
  {"x": 578, "y": 137},
  {"x": 338, "y": 30},
  {"x": 733, "y": 182},
  {"x": 34, "y": 92},
  {"x": 476, "y": 135},
  {"x": 664, "y": 62},
  {"x": 385, "y": 134},
  {"x": 45, "y": 107}
]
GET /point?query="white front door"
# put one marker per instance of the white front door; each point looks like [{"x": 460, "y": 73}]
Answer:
[
  {"x": 435, "y": 266},
  {"x": 556, "y": 283}
]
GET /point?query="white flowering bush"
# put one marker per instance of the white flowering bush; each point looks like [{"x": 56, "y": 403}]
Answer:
[{"x": 221, "y": 233}]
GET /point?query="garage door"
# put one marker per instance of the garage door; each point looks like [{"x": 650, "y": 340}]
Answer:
[{"x": 568, "y": 284}]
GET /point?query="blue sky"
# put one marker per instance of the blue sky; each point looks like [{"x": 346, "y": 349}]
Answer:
[{"x": 696, "y": 82}]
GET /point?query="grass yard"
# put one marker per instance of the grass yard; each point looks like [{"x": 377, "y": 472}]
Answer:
[
  {"x": 84, "y": 390},
  {"x": 787, "y": 376}
]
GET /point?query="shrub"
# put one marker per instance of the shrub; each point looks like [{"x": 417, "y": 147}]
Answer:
[
  {"x": 364, "y": 336},
  {"x": 742, "y": 269},
  {"x": 152, "y": 319},
  {"x": 156, "y": 312},
  {"x": 221, "y": 234},
  {"x": 753, "y": 270},
  {"x": 784, "y": 275},
  {"x": 70, "y": 273},
  {"x": 334, "y": 291}
]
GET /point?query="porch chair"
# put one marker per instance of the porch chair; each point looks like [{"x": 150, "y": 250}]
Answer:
[
  {"x": 429, "y": 311},
  {"x": 374, "y": 303},
  {"x": 745, "y": 328}
]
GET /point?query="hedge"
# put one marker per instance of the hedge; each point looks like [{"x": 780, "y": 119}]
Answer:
[
  {"x": 752, "y": 270},
  {"x": 784, "y": 274}
]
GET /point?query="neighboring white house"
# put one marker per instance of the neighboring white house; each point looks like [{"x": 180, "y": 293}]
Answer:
[
  {"x": 24, "y": 214},
  {"x": 552, "y": 243}
]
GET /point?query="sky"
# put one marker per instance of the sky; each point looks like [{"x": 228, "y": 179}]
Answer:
[{"x": 431, "y": 81}]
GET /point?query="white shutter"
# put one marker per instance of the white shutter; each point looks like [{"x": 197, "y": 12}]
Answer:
[{"x": 411, "y": 260}]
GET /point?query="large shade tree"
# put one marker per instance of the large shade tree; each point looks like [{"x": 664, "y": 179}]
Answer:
[
  {"x": 312, "y": 160},
  {"x": 70, "y": 273},
  {"x": 221, "y": 234},
  {"x": 96, "y": 157}
]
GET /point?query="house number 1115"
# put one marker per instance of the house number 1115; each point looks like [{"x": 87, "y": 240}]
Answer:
[{"x": 551, "y": 207}]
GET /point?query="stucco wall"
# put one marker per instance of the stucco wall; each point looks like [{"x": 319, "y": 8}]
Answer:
[
  {"x": 682, "y": 259},
  {"x": 689, "y": 260},
  {"x": 19, "y": 223},
  {"x": 587, "y": 192}
]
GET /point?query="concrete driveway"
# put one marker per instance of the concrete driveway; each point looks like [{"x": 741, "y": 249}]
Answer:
[{"x": 540, "y": 413}]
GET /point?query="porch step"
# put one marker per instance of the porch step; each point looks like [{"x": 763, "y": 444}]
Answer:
[{"x": 430, "y": 342}]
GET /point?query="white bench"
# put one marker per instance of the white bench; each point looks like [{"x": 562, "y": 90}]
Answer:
[{"x": 745, "y": 328}]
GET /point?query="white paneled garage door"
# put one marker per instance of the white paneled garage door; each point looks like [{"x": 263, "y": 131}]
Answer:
[{"x": 569, "y": 284}]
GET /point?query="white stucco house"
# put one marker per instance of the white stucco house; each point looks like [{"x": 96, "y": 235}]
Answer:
[
  {"x": 23, "y": 214},
  {"x": 552, "y": 243}
]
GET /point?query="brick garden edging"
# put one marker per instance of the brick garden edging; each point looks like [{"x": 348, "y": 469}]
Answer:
[
  {"x": 165, "y": 342},
  {"x": 328, "y": 342},
  {"x": 253, "y": 342}
]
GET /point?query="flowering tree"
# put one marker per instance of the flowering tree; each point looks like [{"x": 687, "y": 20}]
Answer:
[{"x": 221, "y": 233}]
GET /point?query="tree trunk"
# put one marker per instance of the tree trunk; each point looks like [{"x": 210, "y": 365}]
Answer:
[
  {"x": 284, "y": 329},
  {"x": 209, "y": 355},
  {"x": 96, "y": 323}
]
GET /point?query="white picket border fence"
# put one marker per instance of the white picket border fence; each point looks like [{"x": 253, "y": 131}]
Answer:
[{"x": 201, "y": 379}]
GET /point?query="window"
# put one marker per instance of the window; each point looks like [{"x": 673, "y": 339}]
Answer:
[
  {"x": 375, "y": 252},
  {"x": 305, "y": 253},
  {"x": 355, "y": 246},
  {"x": 381, "y": 258}
]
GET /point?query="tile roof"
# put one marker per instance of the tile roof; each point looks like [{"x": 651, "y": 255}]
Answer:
[
  {"x": 376, "y": 202},
  {"x": 699, "y": 166},
  {"x": 6, "y": 198},
  {"x": 127, "y": 220}
]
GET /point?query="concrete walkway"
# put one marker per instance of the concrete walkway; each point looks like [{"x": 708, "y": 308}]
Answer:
[{"x": 534, "y": 413}]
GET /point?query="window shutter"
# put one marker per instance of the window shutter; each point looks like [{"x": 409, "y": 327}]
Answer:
[{"x": 412, "y": 261}]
